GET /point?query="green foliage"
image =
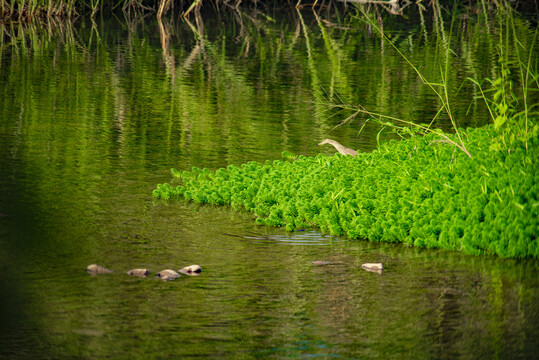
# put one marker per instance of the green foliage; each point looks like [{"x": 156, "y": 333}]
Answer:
[
  {"x": 287, "y": 155},
  {"x": 439, "y": 88},
  {"x": 515, "y": 121},
  {"x": 413, "y": 191}
]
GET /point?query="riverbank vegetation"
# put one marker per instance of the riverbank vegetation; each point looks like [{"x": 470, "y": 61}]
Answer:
[
  {"x": 31, "y": 10},
  {"x": 420, "y": 191}
]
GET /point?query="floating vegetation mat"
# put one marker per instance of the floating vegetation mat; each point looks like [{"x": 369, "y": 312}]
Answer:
[{"x": 419, "y": 191}]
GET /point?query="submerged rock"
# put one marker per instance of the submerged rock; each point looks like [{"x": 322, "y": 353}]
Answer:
[
  {"x": 97, "y": 269},
  {"x": 193, "y": 270},
  {"x": 373, "y": 267},
  {"x": 139, "y": 272},
  {"x": 168, "y": 274}
]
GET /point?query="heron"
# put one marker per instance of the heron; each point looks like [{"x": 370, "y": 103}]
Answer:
[{"x": 341, "y": 149}]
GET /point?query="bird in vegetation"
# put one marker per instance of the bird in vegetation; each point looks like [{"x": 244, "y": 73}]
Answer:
[{"x": 341, "y": 149}]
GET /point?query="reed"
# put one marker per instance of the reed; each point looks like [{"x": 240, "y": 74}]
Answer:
[
  {"x": 514, "y": 116},
  {"x": 403, "y": 126},
  {"x": 512, "y": 112},
  {"x": 28, "y": 10}
]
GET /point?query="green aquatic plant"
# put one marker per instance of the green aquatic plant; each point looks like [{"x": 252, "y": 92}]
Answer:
[{"x": 408, "y": 191}]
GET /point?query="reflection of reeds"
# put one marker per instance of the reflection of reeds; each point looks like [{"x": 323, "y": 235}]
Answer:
[
  {"x": 307, "y": 58},
  {"x": 168, "y": 54},
  {"x": 23, "y": 37}
]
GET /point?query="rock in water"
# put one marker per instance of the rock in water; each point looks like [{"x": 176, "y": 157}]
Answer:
[
  {"x": 97, "y": 269},
  {"x": 139, "y": 272},
  {"x": 374, "y": 267},
  {"x": 192, "y": 270},
  {"x": 168, "y": 274},
  {"x": 320, "y": 262}
]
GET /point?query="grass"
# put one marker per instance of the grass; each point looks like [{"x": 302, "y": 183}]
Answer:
[
  {"x": 514, "y": 118},
  {"x": 31, "y": 9},
  {"x": 28, "y": 10},
  {"x": 403, "y": 126}
]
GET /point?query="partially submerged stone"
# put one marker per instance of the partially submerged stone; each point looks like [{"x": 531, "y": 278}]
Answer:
[
  {"x": 168, "y": 274},
  {"x": 97, "y": 269},
  {"x": 373, "y": 267},
  {"x": 139, "y": 272},
  {"x": 192, "y": 270},
  {"x": 320, "y": 262}
]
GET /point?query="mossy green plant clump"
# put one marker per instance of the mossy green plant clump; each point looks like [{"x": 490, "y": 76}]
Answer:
[{"x": 418, "y": 191}]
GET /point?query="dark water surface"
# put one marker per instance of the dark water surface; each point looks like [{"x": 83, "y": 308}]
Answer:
[{"x": 93, "y": 116}]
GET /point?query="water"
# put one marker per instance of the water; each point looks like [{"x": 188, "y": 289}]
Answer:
[{"x": 93, "y": 116}]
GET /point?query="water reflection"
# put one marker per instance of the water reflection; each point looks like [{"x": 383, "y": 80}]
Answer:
[
  {"x": 294, "y": 238},
  {"x": 93, "y": 116}
]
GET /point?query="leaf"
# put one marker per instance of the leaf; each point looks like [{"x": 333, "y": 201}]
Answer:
[
  {"x": 502, "y": 108},
  {"x": 287, "y": 155},
  {"x": 175, "y": 173},
  {"x": 500, "y": 120},
  {"x": 495, "y": 146}
]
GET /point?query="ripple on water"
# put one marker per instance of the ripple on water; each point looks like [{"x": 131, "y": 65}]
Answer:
[{"x": 295, "y": 238}]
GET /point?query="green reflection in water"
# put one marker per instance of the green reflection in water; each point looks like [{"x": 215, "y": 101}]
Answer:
[{"x": 91, "y": 118}]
